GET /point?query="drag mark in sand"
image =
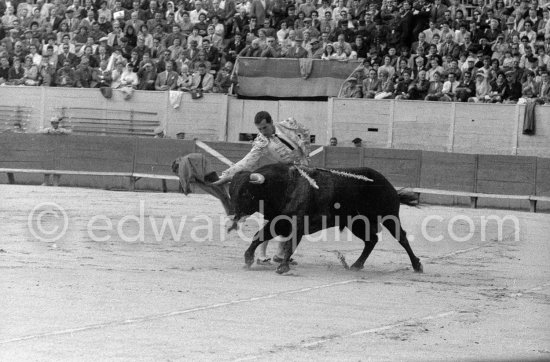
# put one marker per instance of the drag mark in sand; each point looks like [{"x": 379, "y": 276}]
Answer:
[{"x": 152, "y": 317}]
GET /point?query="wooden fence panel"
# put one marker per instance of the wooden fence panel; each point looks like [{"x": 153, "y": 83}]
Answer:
[
  {"x": 28, "y": 151},
  {"x": 543, "y": 177},
  {"x": 509, "y": 175},
  {"x": 156, "y": 155},
  {"x": 448, "y": 171},
  {"x": 401, "y": 167},
  {"x": 95, "y": 153}
]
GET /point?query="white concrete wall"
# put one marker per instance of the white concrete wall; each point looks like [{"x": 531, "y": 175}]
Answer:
[{"x": 435, "y": 126}]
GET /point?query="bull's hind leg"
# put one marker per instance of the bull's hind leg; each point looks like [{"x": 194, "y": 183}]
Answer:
[
  {"x": 393, "y": 224},
  {"x": 360, "y": 231}
]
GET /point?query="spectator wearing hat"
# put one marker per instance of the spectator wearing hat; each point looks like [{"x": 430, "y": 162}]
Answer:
[
  {"x": 351, "y": 89},
  {"x": 297, "y": 51},
  {"x": 315, "y": 51},
  {"x": 54, "y": 129},
  {"x": 357, "y": 142},
  {"x": 482, "y": 88},
  {"x": 72, "y": 22},
  {"x": 510, "y": 30}
]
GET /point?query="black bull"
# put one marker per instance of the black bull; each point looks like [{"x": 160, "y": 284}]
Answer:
[{"x": 293, "y": 207}]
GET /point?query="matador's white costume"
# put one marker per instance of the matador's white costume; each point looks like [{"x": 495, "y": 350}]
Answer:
[{"x": 289, "y": 144}]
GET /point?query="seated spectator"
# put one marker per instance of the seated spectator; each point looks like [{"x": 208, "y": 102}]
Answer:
[
  {"x": 147, "y": 76},
  {"x": 65, "y": 76},
  {"x": 466, "y": 88},
  {"x": 224, "y": 81},
  {"x": 328, "y": 52},
  {"x": 316, "y": 51},
  {"x": 83, "y": 73},
  {"x": 129, "y": 77},
  {"x": 418, "y": 89},
  {"x": 202, "y": 80},
  {"x": 387, "y": 67},
  {"x": 387, "y": 86},
  {"x": 512, "y": 91},
  {"x": 529, "y": 89},
  {"x": 167, "y": 80},
  {"x": 498, "y": 88},
  {"x": 482, "y": 88},
  {"x": 253, "y": 50},
  {"x": 435, "y": 89},
  {"x": 435, "y": 67},
  {"x": 101, "y": 77},
  {"x": 4, "y": 69},
  {"x": 402, "y": 88},
  {"x": 185, "y": 80},
  {"x": 339, "y": 53},
  {"x": 270, "y": 49},
  {"x": 296, "y": 51},
  {"x": 544, "y": 93},
  {"x": 351, "y": 89},
  {"x": 116, "y": 75},
  {"x": 371, "y": 85},
  {"x": 47, "y": 72},
  {"x": 30, "y": 76}
]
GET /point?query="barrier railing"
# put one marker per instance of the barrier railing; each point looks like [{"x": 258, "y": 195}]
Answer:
[{"x": 424, "y": 172}]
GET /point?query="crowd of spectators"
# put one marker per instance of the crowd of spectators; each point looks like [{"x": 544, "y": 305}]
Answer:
[{"x": 482, "y": 51}]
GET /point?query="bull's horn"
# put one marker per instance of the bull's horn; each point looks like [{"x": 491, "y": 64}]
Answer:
[{"x": 257, "y": 178}]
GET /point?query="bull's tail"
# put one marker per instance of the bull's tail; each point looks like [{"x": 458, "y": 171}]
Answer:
[{"x": 407, "y": 197}]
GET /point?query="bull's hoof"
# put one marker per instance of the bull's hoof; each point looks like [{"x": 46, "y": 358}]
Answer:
[
  {"x": 418, "y": 268},
  {"x": 281, "y": 269},
  {"x": 248, "y": 259}
]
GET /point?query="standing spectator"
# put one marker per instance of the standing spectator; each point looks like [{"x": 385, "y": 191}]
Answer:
[
  {"x": 261, "y": 9},
  {"x": 54, "y": 130}
]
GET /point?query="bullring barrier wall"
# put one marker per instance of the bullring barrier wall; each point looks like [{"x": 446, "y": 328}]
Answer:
[
  {"x": 429, "y": 126},
  {"x": 497, "y": 174}
]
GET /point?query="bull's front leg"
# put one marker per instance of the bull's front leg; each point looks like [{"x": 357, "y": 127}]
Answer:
[{"x": 262, "y": 236}]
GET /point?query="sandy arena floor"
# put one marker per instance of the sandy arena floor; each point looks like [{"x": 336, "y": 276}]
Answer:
[{"x": 144, "y": 295}]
